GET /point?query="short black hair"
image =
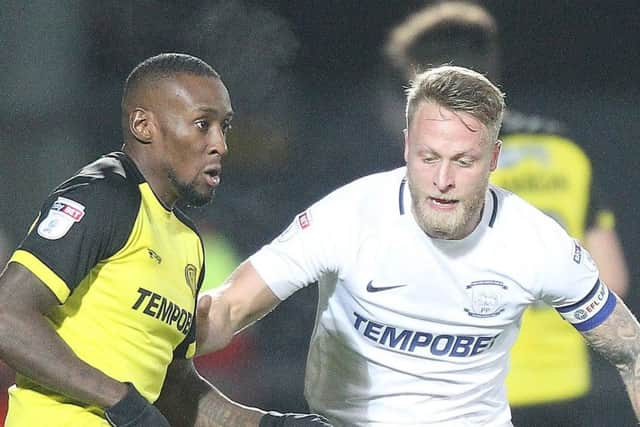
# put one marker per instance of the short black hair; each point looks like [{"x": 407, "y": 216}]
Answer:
[{"x": 166, "y": 65}]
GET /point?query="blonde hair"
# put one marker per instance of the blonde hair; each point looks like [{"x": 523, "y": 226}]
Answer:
[{"x": 458, "y": 89}]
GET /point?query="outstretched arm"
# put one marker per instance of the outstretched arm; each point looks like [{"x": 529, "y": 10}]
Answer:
[
  {"x": 240, "y": 301},
  {"x": 188, "y": 400},
  {"x": 618, "y": 340}
]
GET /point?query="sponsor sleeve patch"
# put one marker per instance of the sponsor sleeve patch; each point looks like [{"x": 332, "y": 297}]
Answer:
[
  {"x": 61, "y": 217},
  {"x": 301, "y": 221},
  {"x": 581, "y": 256},
  {"x": 304, "y": 219},
  {"x": 590, "y": 311},
  {"x": 577, "y": 252}
]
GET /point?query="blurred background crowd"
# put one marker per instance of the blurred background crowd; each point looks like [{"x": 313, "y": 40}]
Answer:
[{"x": 311, "y": 93}]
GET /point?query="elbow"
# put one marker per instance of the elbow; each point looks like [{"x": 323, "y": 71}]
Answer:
[
  {"x": 7, "y": 318},
  {"x": 620, "y": 288},
  {"x": 618, "y": 283},
  {"x": 10, "y": 332}
]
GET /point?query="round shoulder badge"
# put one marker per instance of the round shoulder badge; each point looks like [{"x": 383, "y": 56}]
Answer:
[{"x": 61, "y": 217}]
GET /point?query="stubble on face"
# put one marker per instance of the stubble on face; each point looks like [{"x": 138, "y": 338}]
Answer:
[
  {"x": 450, "y": 225},
  {"x": 188, "y": 148},
  {"x": 187, "y": 192},
  {"x": 440, "y": 135}
]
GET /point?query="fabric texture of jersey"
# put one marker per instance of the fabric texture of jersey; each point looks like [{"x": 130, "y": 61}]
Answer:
[
  {"x": 534, "y": 163},
  {"x": 412, "y": 330},
  {"x": 126, "y": 272}
]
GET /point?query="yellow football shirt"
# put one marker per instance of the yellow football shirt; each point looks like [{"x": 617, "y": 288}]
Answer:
[
  {"x": 549, "y": 361},
  {"x": 126, "y": 271}
]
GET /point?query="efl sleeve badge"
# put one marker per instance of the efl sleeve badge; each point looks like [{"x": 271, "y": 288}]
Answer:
[{"x": 61, "y": 217}]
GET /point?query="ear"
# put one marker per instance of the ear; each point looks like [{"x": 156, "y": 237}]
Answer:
[
  {"x": 141, "y": 125},
  {"x": 495, "y": 155},
  {"x": 405, "y": 132}
]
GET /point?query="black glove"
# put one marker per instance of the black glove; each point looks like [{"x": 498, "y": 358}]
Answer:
[
  {"x": 135, "y": 411},
  {"x": 276, "y": 419}
]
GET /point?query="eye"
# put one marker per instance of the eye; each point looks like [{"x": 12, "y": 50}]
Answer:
[
  {"x": 429, "y": 159},
  {"x": 464, "y": 162},
  {"x": 202, "y": 124}
]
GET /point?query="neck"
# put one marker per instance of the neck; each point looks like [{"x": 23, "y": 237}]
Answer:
[{"x": 154, "y": 175}]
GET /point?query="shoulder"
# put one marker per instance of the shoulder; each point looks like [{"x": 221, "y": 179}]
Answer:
[
  {"x": 372, "y": 195},
  {"x": 515, "y": 209},
  {"x": 516, "y": 215},
  {"x": 109, "y": 183},
  {"x": 370, "y": 188},
  {"x": 186, "y": 220},
  {"x": 114, "y": 170}
]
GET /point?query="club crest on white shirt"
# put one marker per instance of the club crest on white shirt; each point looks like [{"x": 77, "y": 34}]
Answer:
[
  {"x": 62, "y": 215},
  {"x": 487, "y": 298}
]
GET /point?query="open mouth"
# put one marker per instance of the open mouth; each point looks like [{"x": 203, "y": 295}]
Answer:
[
  {"x": 440, "y": 202},
  {"x": 212, "y": 176}
]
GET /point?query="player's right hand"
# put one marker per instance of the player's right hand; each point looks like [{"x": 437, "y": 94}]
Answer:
[
  {"x": 276, "y": 419},
  {"x": 213, "y": 324},
  {"x": 133, "y": 410}
]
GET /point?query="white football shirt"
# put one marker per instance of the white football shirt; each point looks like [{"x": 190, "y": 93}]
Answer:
[{"x": 415, "y": 331}]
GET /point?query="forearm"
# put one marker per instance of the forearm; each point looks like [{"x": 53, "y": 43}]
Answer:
[
  {"x": 31, "y": 347},
  {"x": 618, "y": 340},
  {"x": 192, "y": 401},
  {"x": 243, "y": 299},
  {"x": 631, "y": 378},
  {"x": 216, "y": 410}
]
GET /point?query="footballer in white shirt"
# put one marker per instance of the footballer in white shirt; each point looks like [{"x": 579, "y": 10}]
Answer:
[{"x": 423, "y": 275}]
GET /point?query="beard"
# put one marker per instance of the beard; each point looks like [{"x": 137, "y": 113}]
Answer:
[
  {"x": 452, "y": 225},
  {"x": 187, "y": 193}
]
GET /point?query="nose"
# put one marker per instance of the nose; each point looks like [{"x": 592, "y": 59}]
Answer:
[
  {"x": 218, "y": 142},
  {"x": 443, "y": 178}
]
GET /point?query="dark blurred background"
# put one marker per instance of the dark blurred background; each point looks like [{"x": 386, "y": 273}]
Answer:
[{"x": 308, "y": 86}]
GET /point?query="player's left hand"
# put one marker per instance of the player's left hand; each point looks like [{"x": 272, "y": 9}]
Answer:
[{"x": 276, "y": 419}]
